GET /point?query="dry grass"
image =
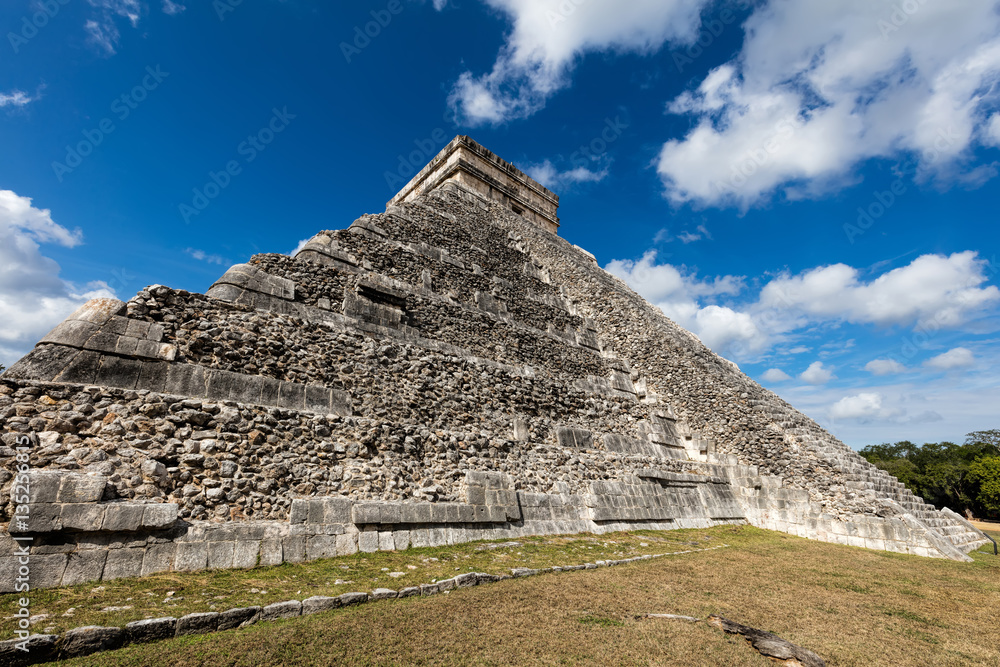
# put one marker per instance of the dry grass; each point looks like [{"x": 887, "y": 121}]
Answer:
[{"x": 852, "y": 606}]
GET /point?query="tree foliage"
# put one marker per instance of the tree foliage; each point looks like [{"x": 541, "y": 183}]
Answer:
[{"x": 959, "y": 477}]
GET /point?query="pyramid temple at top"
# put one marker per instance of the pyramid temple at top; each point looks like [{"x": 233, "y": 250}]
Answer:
[{"x": 448, "y": 370}]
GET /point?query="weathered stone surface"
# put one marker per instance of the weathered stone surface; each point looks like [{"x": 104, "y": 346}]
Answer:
[
  {"x": 348, "y": 599},
  {"x": 238, "y": 618},
  {"x": 122, "y": 517},
  {"x": 384, "y": 594},
  {"x": 278, "y": 610},
  {"x": 770, "y": 645},
  {"x": 40, "y": 648},
  {"x": 150, "y": 630},
  {"x": 90, "y": 639},
  {"x": 84, "y": 566},
  {"x": 319, "y": 603},
  {"x": 197, "y": 624}
]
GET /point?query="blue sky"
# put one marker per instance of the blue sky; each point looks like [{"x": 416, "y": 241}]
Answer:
[{"x": 809, "y": 187}]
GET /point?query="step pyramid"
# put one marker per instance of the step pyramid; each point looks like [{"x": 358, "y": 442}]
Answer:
[{"x": 448, "y": 370}]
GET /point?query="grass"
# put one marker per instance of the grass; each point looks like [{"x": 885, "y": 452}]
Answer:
[{"x": 851, "y": 606}]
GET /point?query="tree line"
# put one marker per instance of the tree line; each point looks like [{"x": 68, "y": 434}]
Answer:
[{"x": 960, "y": 477}]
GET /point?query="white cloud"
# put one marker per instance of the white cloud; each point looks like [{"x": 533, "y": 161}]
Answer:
[
  {"x": 172, "y": 8},
  {"x": 819, "y": 87},
  {"x": 701, "y": 232},
  {"x": 548, "y": 175},
  {"x": 992, "y": 131},
  {"x": 33, "y": 298},
  {"x": 547, "y": 39},
  {"x": 817, "y": 373},
  {"x": 300, "y": 246},
  {"x": 860, "y": 406},
  {"x": 959, "y": 357},
  {"x": 775, "y": 375},
  {"x": 16, "y": 98},
  {"x": 934, "y": 290},
  {"x": 885, "y": 367},
  {"x": 678, "y": 294},
  {"x": 203, "y": 256}
]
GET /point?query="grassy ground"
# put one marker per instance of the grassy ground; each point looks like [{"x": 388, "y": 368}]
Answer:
[{"x": 852, "y": 606}]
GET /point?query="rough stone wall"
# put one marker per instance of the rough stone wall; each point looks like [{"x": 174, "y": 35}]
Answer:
[{"x": 441, "y": 372}]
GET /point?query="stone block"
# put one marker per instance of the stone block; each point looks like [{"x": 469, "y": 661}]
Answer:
[
  {"x": 347, "y": 544},
  {"x": 294, "y": 548},
  {"x": 389, "y": 513},
  {"x": 271, "y": 552},
  {"x": 150, "y": 630},
  {"x": 123, "y": 563},
  {"x": 348, "y": 599},
  {"x": 185, "y": 380},
  {"x": 245, "y": 553},
  {"x": 384, "y": 594},
  {"x": 153, "y": 376},
  {"x": 317, "y": 399},
  {"x": 81, "y": 488},
  {"x": 191, "y": 556},
  {"x": 220, "y": 555},
  {"x": 385, "y": 541},
  {"x": 300, "y": 511},
  {"x": 224, "y": 385},
  {"x": 122, "y": 517},
  {"x": 41, "y": 518},
  {"x": 269, "y": 391},
  {"x": 429, "y": 589},
  {"x": 319, "y": 603},
  {"x": 322, "y": 546},
  {"x": 45, "y": 362},
  {"x": 40, "y": 648},
  {"x": 238, "y": 618},
  {"x": 82, "y": 368},
  {"x": 368, "y": 541},
  {"x": 401, "y": 539},
  {"x": 43, "y": 487},
  {"x": 197, "y": 624},
  {"x": 279, "y": 610},
  {"x": 291, "y": 395},
  {"x": 439, "y": 513},
  {"x": 84, "y": 566},
  {"x": 83, "y": 517},
  {"x": 119, "y": 372},
  {"x": 159, "y": 516},
  {"x": 366, "y": 513},
  {"x": 475, "y": 495},
  {"x": 337, "y": 510},
  {"x": 466, "y": 513},
  {"x": 73, "y": 333},
  {"x": 90, "y": 639}
]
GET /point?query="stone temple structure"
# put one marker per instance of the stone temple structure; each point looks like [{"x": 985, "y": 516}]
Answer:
[{"x": 448, "y": 370}]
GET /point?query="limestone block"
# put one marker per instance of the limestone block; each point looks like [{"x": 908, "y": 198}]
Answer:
[
  {"x": 337, "y": 510},
  {"x": 90, "y": 639},
  {"x": 348, "y": 599},
  {"x": 84, "y": 566},
  {"x": 122, "y": 517},
  {"x": 43, "y": 487},
  {"x": 366, "y": 513},
  {"x": 319, "y": 603},
  {"x": 150, "y": 630},
  {"x": 300, "y": 510},
  {"x": 191, "y": 556},
  {"x": 347, "y": 544},
  {"x": 321, "y": 546},
  {"x": 81, "y": 488},
  {"x": 291, "y": 395},
  {"x": 41, "y": 518},
  {"x": 384, "y": 594},
  {"x": 385, "y": 541},
  {"x": 271, "y": 552},
  {"x": 160, "y": 515},
  {"x": 74, "y": 333},
  {"x": 118, "y": 372},
  {"x": 389, "y": 513},
  {"x": 401, "y": 539},
  {"x": 279, "y": 610},
  {"x": 220, "y": 554},
  {"x": 238, "y": 618},
  {"x": 368, "y": 541},
  {"x": 123, "y": 563},
  {"x": 197, "y": 624},
  {"x": 82, "y": 368},
  {"x": 294, "y": 548}
]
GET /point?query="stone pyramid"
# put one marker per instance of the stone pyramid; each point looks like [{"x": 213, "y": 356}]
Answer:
[{"x": 448, "y": 370}]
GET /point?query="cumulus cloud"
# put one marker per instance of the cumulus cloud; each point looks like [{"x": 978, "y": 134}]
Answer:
[
  {"x": 817, "y": 373},
  {"x": 860, "y": 406},
  {"x": 679, "y": 294},
  {"x": 885, "y": 367},
  {"x": 775, "y": 375},
  {"x": 959, "y": 357},
  {"x": 203, "y": 256},
  {"x": 33, "y": 298},
  {"x": 819, "y": 87},
  {"x": 549, "y": 36},
  {"x": 933, "y": 291},
  {"x": 551, "y": 177}
]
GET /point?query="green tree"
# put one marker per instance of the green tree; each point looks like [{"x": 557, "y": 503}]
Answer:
[{"x": 984, "y": 481}]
